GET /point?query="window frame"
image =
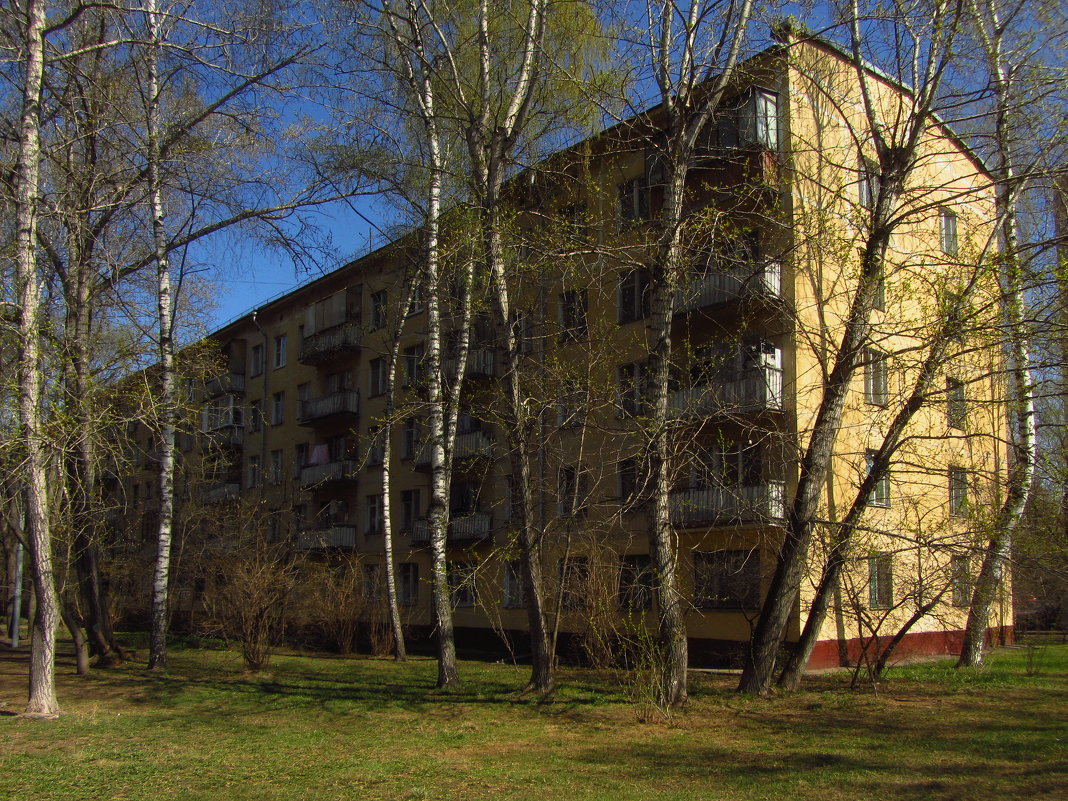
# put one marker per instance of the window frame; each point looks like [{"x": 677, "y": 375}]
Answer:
[
  {"x": 880, "y": 493},
  {"x": 281, "y": 351},
  {"x": 876, "y": 377},
  {"x": 735, "y": 575},
  {"x": 956, "y": 404},
  {"x": 948, "y": 231},
  {"x": 959, "y": 491},
  {"x": 880, "y": 594}
]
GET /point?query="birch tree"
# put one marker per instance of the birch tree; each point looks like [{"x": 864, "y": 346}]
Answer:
[
  {"x": 693, "y": 50},
  {"x": 897, "y": 144},
  {"x": 31, "y": 24}
]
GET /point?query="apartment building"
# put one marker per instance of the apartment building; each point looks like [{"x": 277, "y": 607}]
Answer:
[{"x": 292, "y": 424}]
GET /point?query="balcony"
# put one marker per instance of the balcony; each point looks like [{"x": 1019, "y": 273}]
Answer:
[
  {"x": 230, "y": 435},
  {"x": 421, "y": 533},
  {"x": 221, "y": 492},
  {"x": 325, "y": 345},
  {"x": 466, "y": 530},
  {"x": 481, "y": 363},
  {"x": 334, "y": 535},
  {"x": 230, "y": 383},
  {"x": 336, "y": 404},
  {"x": 337, "y": 472},
  {"x": 710, "y": 506},
  {"x": 717, "y": 288},
  {"x": 471, "y": 528},
  {"x": 473, "y": 444},
  {"x": 755, "y": 390}
]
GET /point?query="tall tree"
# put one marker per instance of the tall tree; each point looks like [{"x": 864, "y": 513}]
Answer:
[{"x": 32, "y": 29}]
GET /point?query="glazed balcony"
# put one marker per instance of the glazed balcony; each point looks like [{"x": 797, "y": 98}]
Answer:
[
  {"x": 728, "y": 505},
  {"x": 334, "y": 535},
  {"x": 757, "y": 389},
  {"x": 336, "y": 472},
  {"x": 473, "y": 444},
  {"x": 345, "y": 403},
  {"x": 230, "y": 435},
  {"x": 716, "y": 288},
  {"x": 322, "y": 346}
]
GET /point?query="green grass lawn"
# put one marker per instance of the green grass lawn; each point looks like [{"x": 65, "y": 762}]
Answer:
[{"x": 358, "y": 728}]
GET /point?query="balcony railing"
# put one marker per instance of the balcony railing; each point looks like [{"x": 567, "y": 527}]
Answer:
[
  {"x": 217, "y": 493},
  {"x": 230, "y": 435},
  {"x": 481, "y": 363},
  {"x": 323, "y": 345},
  {"x": 727, "y": 505},
  {"x": 335, "y": 535},
  {"x": 718, "y": 287},
  {"x": 472, "y": 444},
  {"x": 230, "y": 383},
  {"x": 345, "y": 402},
  {"x": 421, "y": 532},
  {"x": 329, "y": 472},
  {"x": 474, "y": 527},
  {"x": 757, "y": 389}
]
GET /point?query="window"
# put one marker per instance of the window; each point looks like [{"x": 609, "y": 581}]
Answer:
[
  {"x": 378, "y": 377},
  {"x": 958, "y": 492},
  {"x": 409, "y": 584},
  {"x": 376, "y": 450},
  {"x": 374, "y": 585},
  {"x": 413, "y": 365},
  {"x": 868, "y": 184},
  {"x": 956, "y": 404},
  {"x": 278, "y": 408},
  {"x": 375, "y": 516},
  {"x": 574, "y": 582},
  {"x": 280, "y": 351},
  {"x": 571, "y": 409},
  {"x": 947, "y": 231},
  {"x": 416, "y": 303},
  {"x": 338, "y": 382},
  {"x": 523, "y": 330},
  {"x": 514, "y": 596},
  {"x": 633, "y": 382},
  {"x": 726, "y": 579},
  {"x": 256, "y": 361},
  {"x": 461, "y": 577},
  {"x": 277, "y": 470},
  {"x": 571, "y": 488},
  {"x": 410, "y": 509},
  {"x": 635, "y": 582},
  {"x": 411, "y": 438},
  {"x": 255, "y": 416},
  {"x": 575, "y": 221},
  {"x": 876, "y": 383},
  {"x": 880, "y": 581},
  {"x": 634, "y": 296},
  {"x": 752, "y": 119},
  {"x": 253, "y": 476},
  {"x": 379, "y": 304},
  {"x": 961, "y": 582},
  {"x": 337, "y": 446},
  {"x": 573, "y": 305},
  {"x": 880, "y": 493},
  {"x": 633, "y": 201},
  {"x": 300, "y": 455},
  {"x": 631, "y": 482}
]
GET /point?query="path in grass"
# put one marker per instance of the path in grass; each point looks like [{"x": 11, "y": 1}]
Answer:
[{"x": 334, "y": 728}]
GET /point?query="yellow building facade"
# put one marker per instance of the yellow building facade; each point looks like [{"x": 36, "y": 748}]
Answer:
[{"x": 780, "y": 195}]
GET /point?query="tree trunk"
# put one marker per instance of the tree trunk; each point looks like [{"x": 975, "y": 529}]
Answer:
[
  {"x": 81, "y": 651},
  {"x": 1021, "y": 388},
  {"x": 157, "y": 657},
  {"x": 42, "y": 690}
]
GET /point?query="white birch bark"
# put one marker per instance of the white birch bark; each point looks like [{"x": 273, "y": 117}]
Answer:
[
  {"x": 42, "y": 689},
  {"x": 157, "y": 657}
]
